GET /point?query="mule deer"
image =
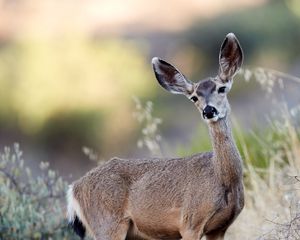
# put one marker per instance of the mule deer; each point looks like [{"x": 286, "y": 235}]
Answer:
[{"x": 179, "y": 198}]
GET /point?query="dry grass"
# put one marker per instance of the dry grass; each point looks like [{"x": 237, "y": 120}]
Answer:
[{"x": 272, "y": 209}]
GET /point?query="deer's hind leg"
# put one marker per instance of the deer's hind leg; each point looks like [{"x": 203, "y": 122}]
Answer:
[
  {"x": 105, "y": 205},
  {"x": 112, "y": 228}
]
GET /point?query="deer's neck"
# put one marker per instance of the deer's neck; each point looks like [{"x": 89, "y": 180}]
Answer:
[{"x": 227, "y": 161}]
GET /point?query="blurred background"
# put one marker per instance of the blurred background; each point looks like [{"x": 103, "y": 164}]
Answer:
[
  {"x": 69, "y": 70},
  {"x": 76, "y": 85}
]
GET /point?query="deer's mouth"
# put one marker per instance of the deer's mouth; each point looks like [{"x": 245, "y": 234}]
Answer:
[{"x": 211, "y": 120}]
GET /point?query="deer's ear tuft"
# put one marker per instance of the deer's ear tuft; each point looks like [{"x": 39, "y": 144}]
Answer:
[
  {"x": 170, "y": 78},
  {"x": 230, "y": 57}
]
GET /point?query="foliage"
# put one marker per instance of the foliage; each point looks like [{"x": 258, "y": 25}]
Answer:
[
  {"x": 272, "y": 196},
  {"x": 32, "y": 207}
]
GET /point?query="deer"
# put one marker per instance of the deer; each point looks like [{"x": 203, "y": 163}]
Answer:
[{"x": 170, "y": 198}]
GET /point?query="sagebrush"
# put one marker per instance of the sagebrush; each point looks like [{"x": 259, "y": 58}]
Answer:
[{"x": 32, "y": 207}]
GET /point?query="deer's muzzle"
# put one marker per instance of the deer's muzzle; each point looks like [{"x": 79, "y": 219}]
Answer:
[{"x": 209, "y": 112}]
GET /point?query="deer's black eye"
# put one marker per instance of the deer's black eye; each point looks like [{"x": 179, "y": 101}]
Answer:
[
  {"x": 194, "y": 98},
  {"x": 221, "y": 89}
]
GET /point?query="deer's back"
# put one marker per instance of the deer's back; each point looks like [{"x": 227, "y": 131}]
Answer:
[{"x": 137, "y": 172}]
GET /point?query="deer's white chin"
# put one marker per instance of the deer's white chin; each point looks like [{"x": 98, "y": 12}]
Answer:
[{"x": 214, "y": 119}]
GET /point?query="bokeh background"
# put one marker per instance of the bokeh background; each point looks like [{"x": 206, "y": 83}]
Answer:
[{"x": 69, "y": 70}]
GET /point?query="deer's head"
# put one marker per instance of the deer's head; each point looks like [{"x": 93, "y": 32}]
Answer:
[{"x": 209, "y": 95}]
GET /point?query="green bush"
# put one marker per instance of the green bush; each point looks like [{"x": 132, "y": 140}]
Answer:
[{"x": 32, "y": 207}]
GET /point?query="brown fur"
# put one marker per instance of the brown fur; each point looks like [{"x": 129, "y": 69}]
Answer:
[
  {"x": 169, "y": 198},
  {"x": 165, "y": 198}
]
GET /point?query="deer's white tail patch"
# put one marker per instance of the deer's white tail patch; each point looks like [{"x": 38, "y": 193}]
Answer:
[
  {"x": 74, "y": 211},
  {"x": 71, "y": 212}
]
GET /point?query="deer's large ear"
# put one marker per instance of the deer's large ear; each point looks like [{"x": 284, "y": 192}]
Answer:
[
  {"x": 170, "y": 78},
  {"x": 230, "y": 57}
]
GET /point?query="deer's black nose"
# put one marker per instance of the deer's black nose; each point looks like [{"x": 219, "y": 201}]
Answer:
[{"x": 209, "y": 112}]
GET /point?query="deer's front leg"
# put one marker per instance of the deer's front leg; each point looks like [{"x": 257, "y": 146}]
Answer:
[
  {"x": 194, "y": 223},
  {"x": 191, "y": 235},
  {"x": 194, "y": 231}
]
